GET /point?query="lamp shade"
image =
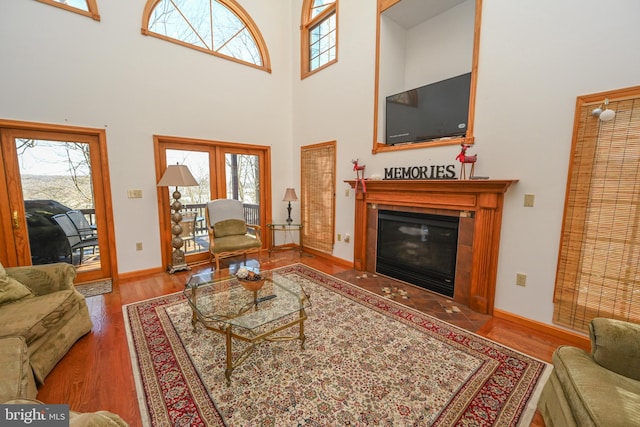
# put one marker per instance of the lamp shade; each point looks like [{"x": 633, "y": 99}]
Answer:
[
  {"x": 290, "y": 195},
  {"x": 177, "y": 176}
]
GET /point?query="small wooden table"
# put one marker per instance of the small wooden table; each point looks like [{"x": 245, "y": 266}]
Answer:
[{"x": 285, "y": 227}]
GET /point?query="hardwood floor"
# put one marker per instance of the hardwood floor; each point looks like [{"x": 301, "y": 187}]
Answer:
[{"x": 96, "y": 373}]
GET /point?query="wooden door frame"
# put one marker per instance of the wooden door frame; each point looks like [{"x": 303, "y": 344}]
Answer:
[
  {"x": 218, "y": 148},
  {"x": 101, "y": 187}
]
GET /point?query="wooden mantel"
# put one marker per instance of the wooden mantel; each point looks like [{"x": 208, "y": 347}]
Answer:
[{"x": 484, "y": 198}]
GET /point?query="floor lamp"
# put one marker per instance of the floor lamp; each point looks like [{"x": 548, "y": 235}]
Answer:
[{"x": 178, "y": 176}]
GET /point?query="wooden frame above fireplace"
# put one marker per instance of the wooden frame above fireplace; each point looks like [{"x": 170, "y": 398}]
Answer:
[{"x": 483, "y": 198}]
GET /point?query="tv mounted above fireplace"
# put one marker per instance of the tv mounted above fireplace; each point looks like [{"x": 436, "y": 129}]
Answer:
[{"x": 434, "y": 111}]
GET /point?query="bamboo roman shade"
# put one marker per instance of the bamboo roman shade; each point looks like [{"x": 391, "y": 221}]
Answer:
[
  {"x": 598, "y": 273},
  {"x": 318, "y": 164}
]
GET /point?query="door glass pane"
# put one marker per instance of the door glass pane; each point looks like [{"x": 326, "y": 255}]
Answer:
[
  {"x": 242, "y": 173},
  {"x": 57, "y": 190},
  {"x": 194, "y": 230}
]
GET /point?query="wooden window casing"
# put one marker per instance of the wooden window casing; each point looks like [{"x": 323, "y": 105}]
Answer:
[
  {"x": 318, "y": 183},
  {"x": 264, "y": 62},
  {"x": 91, "y": 11},
  {"x": 217, "y": 181},
  {"x": 315, "y": 15},
  {"x": 381, "y": 147},
  {"x": 598, "y": 272}
]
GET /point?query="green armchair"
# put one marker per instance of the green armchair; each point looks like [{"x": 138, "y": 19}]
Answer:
[
  {"x": 601, "y": 388},
  {"x": 228, "y": 231}
]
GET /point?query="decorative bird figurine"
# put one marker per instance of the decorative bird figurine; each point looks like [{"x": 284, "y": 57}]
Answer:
[
  {"x": 359, "y": 175},
  {"x": 464, "y": 160}
]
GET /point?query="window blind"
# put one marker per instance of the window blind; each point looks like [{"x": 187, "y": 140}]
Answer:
[
  {"x": 318, "y": 196},
  {"x": 597, "y": 272}
]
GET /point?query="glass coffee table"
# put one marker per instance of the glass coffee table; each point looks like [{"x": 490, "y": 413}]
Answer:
[{"x": 249, "y": 311}]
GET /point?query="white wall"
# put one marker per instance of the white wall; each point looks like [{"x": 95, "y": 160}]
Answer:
[
  {"x": 533, "y": 65},
  {"x": 441, "y": 47},
  {"x": 536, "y": 57},
  {"x": 336, "y": 104},
  {"x": 64, "y": 68}
]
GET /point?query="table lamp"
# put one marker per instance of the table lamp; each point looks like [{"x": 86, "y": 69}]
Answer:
[{"x": 289, "y": 196}]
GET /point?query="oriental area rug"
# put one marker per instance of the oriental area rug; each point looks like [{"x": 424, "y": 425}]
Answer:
[{"x": 367, "y": 361}]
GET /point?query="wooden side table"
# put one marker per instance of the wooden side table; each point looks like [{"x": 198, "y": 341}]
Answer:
[{"x": 287, "y": 229}]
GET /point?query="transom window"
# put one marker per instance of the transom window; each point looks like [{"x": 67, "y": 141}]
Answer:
[
  {"x": 222, "y": 28},
  {"x": 319, "y": 35},
  {"x": 83, "y": 7}
]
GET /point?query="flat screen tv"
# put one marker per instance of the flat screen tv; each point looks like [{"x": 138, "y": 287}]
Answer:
[{"x": 434, "y": 111}]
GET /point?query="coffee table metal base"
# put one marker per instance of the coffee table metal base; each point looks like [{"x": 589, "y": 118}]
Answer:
[{"x": 254, "y": 341}]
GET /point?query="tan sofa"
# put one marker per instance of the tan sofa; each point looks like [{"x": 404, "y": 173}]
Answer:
[
  {"x": 41, "y": 317},
  {"x": 601, "y": 388},
  {"x": 17, "y": 377}
]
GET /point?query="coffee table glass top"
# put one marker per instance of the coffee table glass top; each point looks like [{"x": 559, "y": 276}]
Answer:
[{"x": 244, "y": 304}]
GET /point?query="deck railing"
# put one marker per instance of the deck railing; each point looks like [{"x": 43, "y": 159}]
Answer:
[
  {"x": 201, "y": 235},
  {"x": 201, "y": 238}
]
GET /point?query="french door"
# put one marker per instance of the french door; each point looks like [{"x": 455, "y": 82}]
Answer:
[
  {"x": 222, "y": 170},
  {"x": 54, "y": 207}
]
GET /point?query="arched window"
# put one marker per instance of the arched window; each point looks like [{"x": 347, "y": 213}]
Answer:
[
  {"x": 319, "y": 36},
  {"x": 83, "y": 7},
  {"x": 222, "y": 28}
]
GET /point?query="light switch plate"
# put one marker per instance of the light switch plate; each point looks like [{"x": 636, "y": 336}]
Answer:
[{"x": 134, "y": 194}]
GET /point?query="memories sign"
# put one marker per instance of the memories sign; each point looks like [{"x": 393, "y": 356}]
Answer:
[{"x": 421, "y": 172}]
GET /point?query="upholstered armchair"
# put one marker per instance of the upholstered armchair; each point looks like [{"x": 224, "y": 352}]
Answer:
[
  {"x": 600, "y": 388},
  {"x": 228, "y": 231}
]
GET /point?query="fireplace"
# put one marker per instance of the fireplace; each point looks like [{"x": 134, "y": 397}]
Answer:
[
  {"x": 476, "y": 202},
  {"x": 418, "y": 248}
]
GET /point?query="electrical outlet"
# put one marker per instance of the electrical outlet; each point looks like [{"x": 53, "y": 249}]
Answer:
[
  {"x": 521, "y": 279},
  {"x": 138, "y": 246},
  {"x": 347, "y": 237},
  {"x": 346, "y": 192},
  {"x": 528, "y": 200}
]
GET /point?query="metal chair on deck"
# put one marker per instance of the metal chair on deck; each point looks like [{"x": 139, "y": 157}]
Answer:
[
  {"x": 188, "y": 234},
  {"x": 85, "y": 229},
  {"x": 74, "y": 237}
]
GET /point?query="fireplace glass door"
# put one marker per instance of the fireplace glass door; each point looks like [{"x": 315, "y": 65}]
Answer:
[{"x": 418, "y": 248}]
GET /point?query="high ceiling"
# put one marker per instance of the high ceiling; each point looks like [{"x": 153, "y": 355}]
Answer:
[{"x": 409, "y": 13}]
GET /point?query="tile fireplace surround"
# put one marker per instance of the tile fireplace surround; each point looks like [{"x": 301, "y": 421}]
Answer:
[{"x": 478, "y": 203}]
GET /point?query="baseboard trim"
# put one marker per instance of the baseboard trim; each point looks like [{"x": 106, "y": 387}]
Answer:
[
  {"x": 340, "y": 261},
  {"x": 132, "y": 275},
  {"x": 570, "y": 337}
]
